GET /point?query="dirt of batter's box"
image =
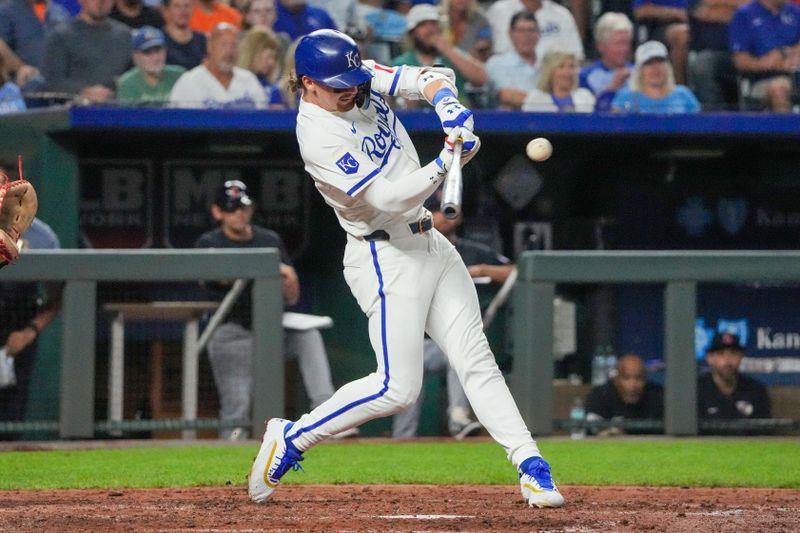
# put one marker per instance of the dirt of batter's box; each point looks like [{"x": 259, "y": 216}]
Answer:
[{"x": 383, "y": 508}]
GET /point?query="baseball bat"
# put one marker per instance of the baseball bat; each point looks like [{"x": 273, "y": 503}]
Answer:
[
  {"x": 221, "y": 312},
  {"x": 452, "y": 188},
  {"x": 499, "y": 299}
]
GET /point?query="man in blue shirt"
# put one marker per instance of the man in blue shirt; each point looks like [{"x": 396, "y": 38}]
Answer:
[
  {"x": 296, "y": 18},
  {"x": 765, "y": 41},
  {"x": 712, "y": 75},
  {"x": 613, "y": 34},
  {"x": 24, "y": 30}
]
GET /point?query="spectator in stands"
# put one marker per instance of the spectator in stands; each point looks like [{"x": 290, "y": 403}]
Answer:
[
  {"x": 557, "y": 89},
  {"x": 652, "y": 87},
  {"x": 465, "y": 24},
  {"x": 481, "y": 261},
  {"x": 362, "y": 34},
  {"x": 13, "y": 64},
  {"x": 343, "y": 12},
  {"x": 230, "y": 348},
  {"x": 85, "y": 56},
  {"x": 386, "y": 26},
  {"x": 135, "y": 14},
  {"x": 24, "y": 25},
  {"x": 151, "y": 80},
  {"x": 25, "y": 311},
  {"x": 513, "y": 73},
  {"x": 296, "y": 18},
  {"x": 557, "y": 26},
  {"x": 628, "y": 396},
  {"x": 207, "y": 14},
  {"x": 482, "y": 48},
  {"x": 291, "y": 97},
  {"x": 218, "y": 82},
  {"x": 259, "y": 13},
  {"x": 665, "y": 21},
  {"x": 613, "y": 34},
  {"x": 429, "y": 46},
  {"x": 765, "y": 40},
  {"x": 711, "y": 73},
  {"x": 724, "y": 393},
  {"x": 259, "y": 52},
  {"x": 185, "y": 47},
  {"x": 11, "y": 100}
]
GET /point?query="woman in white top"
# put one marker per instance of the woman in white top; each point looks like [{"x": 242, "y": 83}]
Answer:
[{"x": 558, "y": 89}]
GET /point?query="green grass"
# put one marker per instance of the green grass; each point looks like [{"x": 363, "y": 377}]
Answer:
[{"x": 694, "y": 463}]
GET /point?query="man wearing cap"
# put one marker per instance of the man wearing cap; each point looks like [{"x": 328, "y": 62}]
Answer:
[
  {"x": 428, "y": 46},
  {"x": 652, "y": 87},
  {"x": 724, "y": 392},
  {"x": 218, "y": 83},
  {"x": 151, "y": 79},
  {"x": 230, "y": 348}
]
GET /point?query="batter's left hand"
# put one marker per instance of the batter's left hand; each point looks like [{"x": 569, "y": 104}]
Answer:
[{"x": 452, "y": 114}]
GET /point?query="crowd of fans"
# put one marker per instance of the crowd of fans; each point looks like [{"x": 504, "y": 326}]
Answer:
[{"x": 634, "y": 56}]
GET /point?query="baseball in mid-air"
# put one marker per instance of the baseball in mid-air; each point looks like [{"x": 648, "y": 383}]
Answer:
[{"x": 539, "y": 149}]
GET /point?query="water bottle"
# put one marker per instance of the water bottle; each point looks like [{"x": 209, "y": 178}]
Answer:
[
  {"x": 577, "y": 419},
  {"x": 610, "y": 364},
  {"x": 598, "y": 370}
]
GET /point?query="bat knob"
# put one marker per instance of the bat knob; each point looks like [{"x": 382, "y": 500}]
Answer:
[{"x": 450, "y": 211}]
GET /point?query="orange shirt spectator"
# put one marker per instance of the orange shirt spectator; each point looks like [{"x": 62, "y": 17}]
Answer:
[{"x": 208, "y": 13}]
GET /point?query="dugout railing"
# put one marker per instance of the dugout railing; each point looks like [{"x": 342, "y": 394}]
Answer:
[
  {"x": 81, "y": 270},
  {"x": 680, "y": 272}
]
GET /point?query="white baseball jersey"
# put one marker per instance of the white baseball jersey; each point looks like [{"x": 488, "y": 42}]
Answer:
[
  {"x": 199, "y": 88},
  {"x": 407, "y": 282},
  {"x": 345, "y": 152}
]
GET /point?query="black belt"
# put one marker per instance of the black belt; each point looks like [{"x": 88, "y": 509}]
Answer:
[{"x": 421, "y": 226}]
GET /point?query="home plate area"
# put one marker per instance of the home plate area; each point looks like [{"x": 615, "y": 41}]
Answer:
[{"x": 384, "y": 508}]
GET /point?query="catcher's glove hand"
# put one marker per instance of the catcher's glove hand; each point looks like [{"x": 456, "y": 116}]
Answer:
[{"x": 18, "y": 204}]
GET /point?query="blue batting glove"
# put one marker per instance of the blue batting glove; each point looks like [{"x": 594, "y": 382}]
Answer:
[{"x": 451, "y": 113}]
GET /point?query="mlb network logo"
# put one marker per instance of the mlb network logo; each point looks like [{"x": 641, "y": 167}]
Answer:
[{"x": 703, "y": 334}]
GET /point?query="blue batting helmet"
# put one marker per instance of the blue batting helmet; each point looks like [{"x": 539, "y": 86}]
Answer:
[{"x": 332, "y": 58}]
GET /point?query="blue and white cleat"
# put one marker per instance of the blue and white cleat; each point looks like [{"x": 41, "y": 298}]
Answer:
[
  {"x": 536, "y": 483},
  {"x": 274, "y": 459}
]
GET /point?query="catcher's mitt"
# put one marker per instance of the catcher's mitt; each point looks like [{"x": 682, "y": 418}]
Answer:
[{"x": 18, "y": 204}]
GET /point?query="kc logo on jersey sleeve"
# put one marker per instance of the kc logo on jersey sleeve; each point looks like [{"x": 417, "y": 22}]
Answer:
[{"x": 348, "y": 164}]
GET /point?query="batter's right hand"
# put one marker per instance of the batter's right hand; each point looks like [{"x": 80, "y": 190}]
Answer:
[{"x": 471, "y": 143}]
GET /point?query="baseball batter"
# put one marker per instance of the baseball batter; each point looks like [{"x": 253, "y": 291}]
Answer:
[{"x": 406, "y": 276}]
